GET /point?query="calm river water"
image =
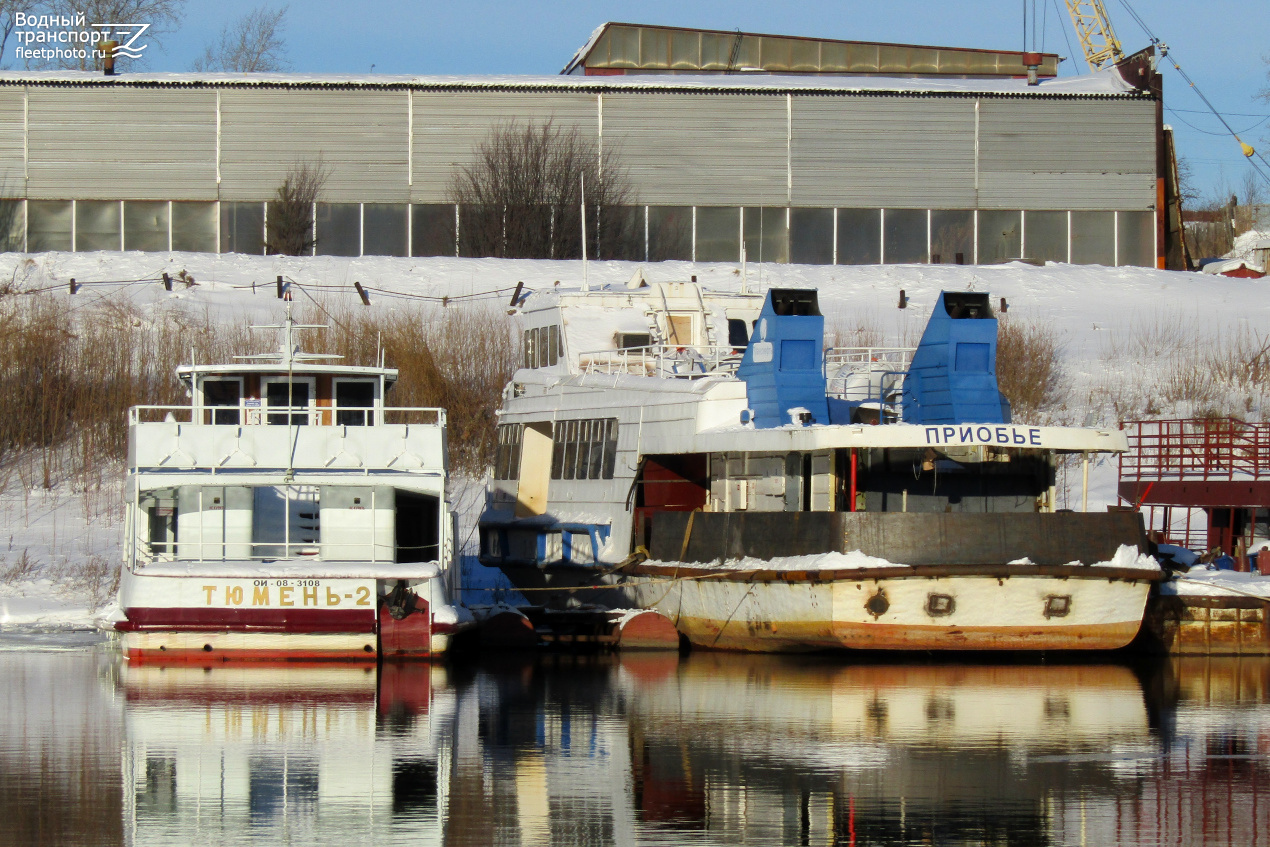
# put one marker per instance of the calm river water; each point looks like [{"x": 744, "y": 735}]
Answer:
[{"x": 630, "y": 750}]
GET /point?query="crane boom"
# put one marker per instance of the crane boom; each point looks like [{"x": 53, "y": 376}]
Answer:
[{"x": 1093, "y": 28}]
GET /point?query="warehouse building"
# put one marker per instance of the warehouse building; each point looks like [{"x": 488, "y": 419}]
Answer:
[{"x": 784, "y": 149}]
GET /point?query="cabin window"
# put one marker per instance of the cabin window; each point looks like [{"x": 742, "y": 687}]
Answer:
[
  {"x": 738, "y": 334},
  {"x": 221, "y": 397},
  {"x": 542, "y": 346},
  {"x": 507, "y": 457},
  {"x": 281, "y": 396},
  {"x": 584, "y": 449},
  {"x": 633, "y": 340},
  {"x": 354, "y": 402}
]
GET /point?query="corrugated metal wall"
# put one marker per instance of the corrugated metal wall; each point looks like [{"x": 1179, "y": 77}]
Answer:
[
  {"x": 893, "y": 152},
  {"x": 12, "y": 161},
  {"x": 701, "y": 149},
  {"x": 678, "y": 148},
  {"x": 360, "y": 137},
  {"x": 1068, "y": 155},
  {"x": 121, "y": 144},
  {"x": 449, "y": 126}
]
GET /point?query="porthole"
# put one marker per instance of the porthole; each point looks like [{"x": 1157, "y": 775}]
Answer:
[
  {"x": 940, "y": 605},
  {"x": 1058, "y": 605},
  {"x": 877, "y": 604}
]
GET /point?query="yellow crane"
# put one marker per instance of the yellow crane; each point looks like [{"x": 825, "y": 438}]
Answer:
[{"x": 1093, "y": 28}]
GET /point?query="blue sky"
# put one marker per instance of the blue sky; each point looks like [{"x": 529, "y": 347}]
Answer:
[{"x": 1220, "y": 43}]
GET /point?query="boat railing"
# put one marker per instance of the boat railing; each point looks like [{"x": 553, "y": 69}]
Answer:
[
  {"x": 271, "y": 551},
  {"x": 664, "y": 360},
  {"x": 248, "y": 415},
  {"x": 867, "y": 374}
]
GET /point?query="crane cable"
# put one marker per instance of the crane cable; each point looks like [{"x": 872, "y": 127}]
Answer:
[{"x": 1247, "y": 149}]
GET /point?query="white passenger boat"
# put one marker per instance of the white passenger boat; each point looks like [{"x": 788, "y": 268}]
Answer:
[
  {"x": 698, "y": 453},
  {"x": 286, "y": 513}
]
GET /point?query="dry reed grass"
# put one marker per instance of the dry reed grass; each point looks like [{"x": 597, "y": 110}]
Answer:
[
  {"x": 1167, "y": 366},
  {"x": 455, "y": 357}
]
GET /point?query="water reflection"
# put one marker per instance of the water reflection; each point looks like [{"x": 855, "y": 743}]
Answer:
[{"x": 641, "y": 749}]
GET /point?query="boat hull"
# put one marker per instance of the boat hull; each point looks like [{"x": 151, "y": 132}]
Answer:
[
  {"x": 988, "y": 612},
  {"x": 209, "y": 618},
  {"x": 1000, "y": 608}
]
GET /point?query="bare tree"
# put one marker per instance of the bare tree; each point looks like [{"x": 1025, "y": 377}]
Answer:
[
  {"x": 8, "y": 18},
  {"x": 252, "y": 44},
  {"x": 290, "y": 230},
  {"x": 522, "y": 196},
  {"x": 159, "y": 17}
]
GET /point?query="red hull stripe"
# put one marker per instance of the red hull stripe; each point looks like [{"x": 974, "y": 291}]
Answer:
[{"x": 248, "y": 620}]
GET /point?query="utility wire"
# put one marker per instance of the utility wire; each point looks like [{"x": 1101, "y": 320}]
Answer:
[{"x": 1248, "y": 151}]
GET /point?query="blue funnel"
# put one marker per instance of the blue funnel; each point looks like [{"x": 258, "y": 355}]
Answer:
[{"x": 953, "y": 377}]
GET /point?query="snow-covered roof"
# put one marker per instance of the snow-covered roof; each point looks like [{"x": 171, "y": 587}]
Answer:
[{"x": 1107, "y": 83}]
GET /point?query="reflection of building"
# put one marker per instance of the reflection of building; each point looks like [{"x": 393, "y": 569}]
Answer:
[
  {"x": 321, "y": 754},
  {"x": 802, "y": 150}
]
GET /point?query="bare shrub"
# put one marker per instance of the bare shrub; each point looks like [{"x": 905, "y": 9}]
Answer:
[
  {"x": 251, "y": 44},
  {"x": 290, "y": 229},
  {"x": 1029, "y": 369},
  {"x": 522, "y": 196}
]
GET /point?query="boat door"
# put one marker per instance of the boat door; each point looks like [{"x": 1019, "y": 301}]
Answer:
[
  {"x": 281, "y": 394},
  {"x": 535, "y": 470}
]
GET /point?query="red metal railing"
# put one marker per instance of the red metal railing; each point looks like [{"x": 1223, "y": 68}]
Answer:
[{"x": 1195, "y": 448}]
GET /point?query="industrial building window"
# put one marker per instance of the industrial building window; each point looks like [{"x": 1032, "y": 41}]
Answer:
[
  {"x": 859, "y": 236},
  {"x": 766, "y": 233},
  {"x": 584, "y": 449},
  {"x": 98, "y": 225},
  {"x": 718, "y": 234},
  {"x": 507, "y": 456},
  {"x": 384, "y": 229},
  {"x": 1045, "y": 236},
  {"x": 145, "y": 225},
  {"x": 543, "y": 347},
  {"x": 49, "y": 225},
  {"x": 952, "y": 236},
  {"x": 242, "y": 228},
  {"x": 12, "y": 227},
  {"x": 194, "y": 227},
  {"x": 620, "y": 233},
  {"x": 999, "y": 236},
  {"x": 475, "y": 225},
  {"x": 1094, "y": 238},
  {"x": 1135, "y": 239},
  {"x": 339, "y": 229},
  {"x": 432, "y": 230},
  {"x": 811, "y": 236},
  {"x": 904, "y": 236},
  {"x": 669, "y": 233}
]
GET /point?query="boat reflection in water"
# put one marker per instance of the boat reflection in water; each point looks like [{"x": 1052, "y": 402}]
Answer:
[
  {"x": 712, "y": 748},
  {"x": 318, "y": 754}
]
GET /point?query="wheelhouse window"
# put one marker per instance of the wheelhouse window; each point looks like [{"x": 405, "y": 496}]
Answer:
[
  {"x": 283, "y": 396},
  {"x": 507, "y": 457},
  {"x": 584, "y": 449},
  {"x": 354, "y": 402},
  {"x": 543, "y": 347},
  {"x": 221, "y": 399}
]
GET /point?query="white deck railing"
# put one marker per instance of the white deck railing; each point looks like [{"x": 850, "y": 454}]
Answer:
[
  {"x": 664, "y": 360},
  {"x": 244, "y": 415},
  {"x": 867, "y": 374}
]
